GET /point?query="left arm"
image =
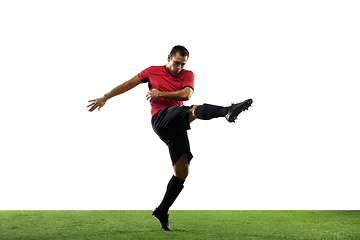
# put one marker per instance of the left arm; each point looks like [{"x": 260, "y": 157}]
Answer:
[{"x": 181, "y": 95}]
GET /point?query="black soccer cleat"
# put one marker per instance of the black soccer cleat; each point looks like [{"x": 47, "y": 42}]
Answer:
[
  {"x": 163, "y": 218},
  {"x": 236, "y": 109}
]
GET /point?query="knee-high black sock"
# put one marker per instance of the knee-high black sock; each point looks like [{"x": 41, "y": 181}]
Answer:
[
  {"x": 208, "y": 111},
  {"x": 174, "y": 188}
]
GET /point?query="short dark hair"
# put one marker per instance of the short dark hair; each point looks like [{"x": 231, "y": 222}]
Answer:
[{"x": 179, "y": 49}]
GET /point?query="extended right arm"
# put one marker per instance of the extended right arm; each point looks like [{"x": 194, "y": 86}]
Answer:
[{"x": 124, "y": 87}]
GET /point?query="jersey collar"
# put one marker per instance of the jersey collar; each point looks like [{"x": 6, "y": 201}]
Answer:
[{"x": 167, "y": 70}]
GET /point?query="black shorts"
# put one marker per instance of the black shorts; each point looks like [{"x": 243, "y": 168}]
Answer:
[{"x": 171, "y": 125}]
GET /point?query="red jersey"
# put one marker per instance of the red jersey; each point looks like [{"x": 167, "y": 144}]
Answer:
[{"x": 158, "y": 77}]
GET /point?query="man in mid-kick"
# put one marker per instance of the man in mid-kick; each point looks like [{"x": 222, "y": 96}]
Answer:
[{"x": 169, "y": 86}]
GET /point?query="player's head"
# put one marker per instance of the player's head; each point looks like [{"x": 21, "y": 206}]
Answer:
[
  {"x": 177, "y": 59},
  {"x": 179, "y": 49}
]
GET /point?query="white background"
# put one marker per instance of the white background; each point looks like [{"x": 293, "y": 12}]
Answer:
[{"x": 297, "y": 147}]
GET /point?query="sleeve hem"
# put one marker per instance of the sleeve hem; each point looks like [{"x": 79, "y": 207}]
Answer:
[{"x": 189, "y": 87}]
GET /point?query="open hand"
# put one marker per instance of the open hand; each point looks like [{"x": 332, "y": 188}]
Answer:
[
  {"x": 152, "y": 95},
  {"x": 96, "y": 103}
]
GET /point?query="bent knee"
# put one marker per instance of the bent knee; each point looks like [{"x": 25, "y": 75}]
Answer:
[
  {"x": 181, "y": 167},
  {"x": 192, "y": 116},
  {"x": 192, "y": 110},
  {"x": 182, "y": 173}
]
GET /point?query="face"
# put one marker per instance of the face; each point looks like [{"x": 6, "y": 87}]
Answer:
[{"x": 176, "y": 63}]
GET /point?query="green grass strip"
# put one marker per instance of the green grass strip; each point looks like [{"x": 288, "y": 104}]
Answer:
[{"x": 185, "y": 224}]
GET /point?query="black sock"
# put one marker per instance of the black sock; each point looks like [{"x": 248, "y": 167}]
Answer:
[
  {"x": 174, "y": 188},
  {"x": 208, "y": 111}
]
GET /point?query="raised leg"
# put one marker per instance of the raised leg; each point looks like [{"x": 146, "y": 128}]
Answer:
[
  {"x": 192, "y": 116},
  {"x": 208, "y": 111}
]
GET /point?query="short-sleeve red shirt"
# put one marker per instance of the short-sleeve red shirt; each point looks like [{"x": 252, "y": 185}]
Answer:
[{"x": 160, "y": 79}]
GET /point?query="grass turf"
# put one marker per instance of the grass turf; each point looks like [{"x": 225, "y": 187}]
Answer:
[{"x": 185, "y": 224}]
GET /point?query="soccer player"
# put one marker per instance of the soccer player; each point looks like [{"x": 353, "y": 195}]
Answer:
[{"x": 169, "y": 86}]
